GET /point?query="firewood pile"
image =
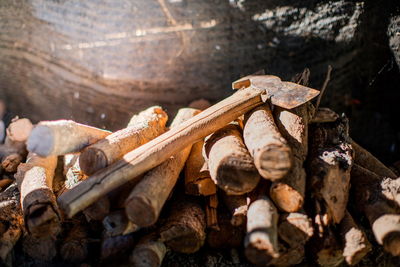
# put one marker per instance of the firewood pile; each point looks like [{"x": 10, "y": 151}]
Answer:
[{"x": 273, "y": 182}]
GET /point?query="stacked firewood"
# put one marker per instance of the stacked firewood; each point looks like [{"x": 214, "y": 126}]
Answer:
[{"x": 275, "y": 182}]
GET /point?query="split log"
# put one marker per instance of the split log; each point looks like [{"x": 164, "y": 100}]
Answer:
[
  {"x": 35, "y": 181},
  {"x": 261, "y": 242},
  {"x": 211, "y": 212},
  {"x": 62, "y": 137},
  {"x": 228, "y": 236},
  {"x": 271, "y": 153},
  {"x": 331, "y": 159},
  {"x": 149, "y": 252},
  {"x": 238, "y": 206},
  {"x": 383, "y": 217},
  {"x": 117, "y": 223},
  {"x": 144, "y": 204},
  {"x": 42, "y": 248},
  {"x": 159, "y": 149},
  {"x": 197, "y": 175},
  {"x": 74, "y": 247},
  {"x": 356, "y": 244},
  {"x": 231, "y": 166},
  {"x": 368, "y": 161},
  {"x": 114, "y": 246},
  {"x": 184, "y": 229},
  {"x": 11, "y": 221},
  {"x": 289, "y": 192},
  {"x": 141, "y": 128}
]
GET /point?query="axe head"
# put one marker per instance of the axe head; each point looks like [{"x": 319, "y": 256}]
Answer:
[{"x": 283, "y": 94}]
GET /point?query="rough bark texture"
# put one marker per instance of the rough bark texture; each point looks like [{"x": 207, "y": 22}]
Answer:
[{"x": 74, "y": 247}]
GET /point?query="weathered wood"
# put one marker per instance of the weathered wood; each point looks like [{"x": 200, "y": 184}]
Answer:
[
  {"x": 62, "y": 137},
  {"x": 141, "y": 128},
  {"x": 39, "y": 206},
  {"x": 149, "y": 252},
  {"x": 117, "y": 223},
  {"x": 159, "y": 149},
  {"x": 184, "y": 229},
  {"x": 271, "y": 153},
  {"x": 231, "y": 166},
  {"x": 74, "y": 247},
  {"x": 289, "y": 192},
  {"x": 144, "y": 204},
  {"x": 238, "y": 206},
  {"x": 261, "y": 242},
  {"x": 356, "y": 244}
]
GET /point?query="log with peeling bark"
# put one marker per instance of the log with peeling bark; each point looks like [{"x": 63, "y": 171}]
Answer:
[
  {"x": 330, "y": 162},
  {"x": 62, "y": 137},
  {"x": 382, "y": 216},
  {"x": 159, "y": 149},
  {"x": 197, "y": 175},
  {"x": 354, "y": 239},
  {"x": 149, "y": 252},
  {"x": 11, "y": 222},
  {"x": 114, "y": 246},
  {"x": 272, "y": 154},
  {"x": 289, "y": 192},
  {"x": 117, "y": 223},
  {"x": 39, "y": 206},
  {"x": 141, "y": 128},
  {"x": 184, "y": 229},
  {"x": 238, "y": 206},
  {"x": 74, "y": 247},
  {"x": 261, "y": 242},
  {"x": 144, "y": 204},
  {"x": 212, "y": 212},
  {"x": 231, "y": 166}
]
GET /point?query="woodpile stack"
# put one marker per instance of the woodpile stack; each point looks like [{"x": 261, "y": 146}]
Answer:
[{"x": 278, "y": 183}]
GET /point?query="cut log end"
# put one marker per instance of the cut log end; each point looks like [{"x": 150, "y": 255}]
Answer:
[
  {"x": 236, "y": 180},
  {"x": 286, "y": 198},
  {"x": 142, "y": 213},
  {"x": 274, "y": 163},
  {"x": 183, "y": 239},
  {"x": 92, "y": 160}
]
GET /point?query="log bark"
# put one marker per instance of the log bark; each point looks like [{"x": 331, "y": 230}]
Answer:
[
  {"x": 197, "y": 175},
  {"x": 42, "y": 248},
  {"x": 117, "y": 223},
  {"x": 271, "y": 153},
  {"x": 356, "y": 244},
  {"x": 383, "y": 217},
  {"x": 261, "y": 242},
  {"x": 74, "y": 247},
  {"x": 143, "y": 127},
  {"x": 184, "y": 229},
  {"x": 231, "y": 166},
  {"x": 237, "y": 206},
  {"x": 62, "y": 137},
  {"x": 144, "y": 204},
  {"x": 159, "y": 149},
  {"x": 39, "y": 206},
  {"x": 112, "y": 247},
  {"x": 289, "y": 192},
  {"x": 149, "y": 252}
]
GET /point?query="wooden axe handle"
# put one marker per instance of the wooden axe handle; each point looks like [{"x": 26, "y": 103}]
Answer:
[{"x": 153, "y": 153}]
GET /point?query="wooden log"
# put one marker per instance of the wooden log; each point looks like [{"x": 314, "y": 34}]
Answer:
[
  {"x": 295, "y": 229},
  {"x": 5, "y": 182},
  {"x": 327, "y": 249},
  {"x": 42, "y": 248},
  {"x": 231, "y": 166},
  {"x": 356, "y": 244},
  {"x": 331, "y": 159},
  {"x": 322, "y": 115},
  {"x": 289, "y": 193},
  {"x": 368, "y": 161},
  {"x": 19, "y": 130},
  {"x": 211, "y": 212},
  {"x": 144, "y": 204},
  {"x": 383, "y": 217},
  {"x": 117, "y": 223},
  {"x": 62, "y": 137},
  {"x": 149, "y": 252},
  {"x": 227, "y": 236},
  {"x": 184, "y": 229},
  {"x": 143, "y": 127},
  {"x": 201, "y": 104},
  {"x": 114, "y": 246},
  {"x": 238, "y": 206},
  {"x": 197, "y": 175},
  {"x": 39, "y": 206},
  {"x": 74, "y": 247},
  {"x": 271, "y": 153},
  {"x": 98, "y": 210},
  {"x": 261, "y": 242},
  {"x": 11, "y": 221},
  {"x": 159, "y": 149}
]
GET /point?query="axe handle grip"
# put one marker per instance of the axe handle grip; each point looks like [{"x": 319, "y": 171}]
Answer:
[{"x": 153, "y": 153}]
